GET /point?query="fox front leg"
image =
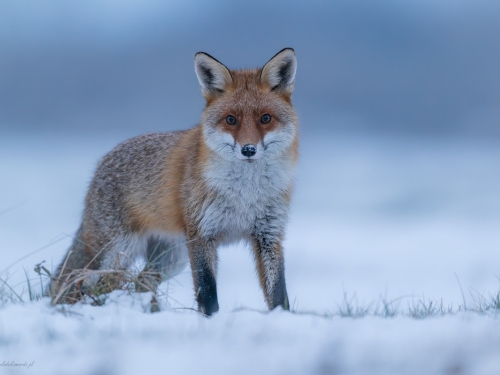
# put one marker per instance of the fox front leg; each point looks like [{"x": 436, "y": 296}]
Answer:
[
  {"x": 203, "y": 258},
  {"x": 271, "y": 268}
]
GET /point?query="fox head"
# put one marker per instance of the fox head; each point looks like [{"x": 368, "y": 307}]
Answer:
[{"x": 248, "y": 113}]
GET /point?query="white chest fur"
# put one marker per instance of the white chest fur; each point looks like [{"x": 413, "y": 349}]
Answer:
[{"x": 244, "y": 192}]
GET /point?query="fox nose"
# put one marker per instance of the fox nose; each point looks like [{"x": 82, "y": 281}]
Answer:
[{"x": 248, "y": 150}]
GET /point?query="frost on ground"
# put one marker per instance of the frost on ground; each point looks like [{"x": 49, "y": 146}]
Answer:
[{"x": 393, "y": 246}]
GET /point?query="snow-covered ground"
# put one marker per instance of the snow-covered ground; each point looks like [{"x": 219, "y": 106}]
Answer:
[
  {"x": 373, "y": 219},
  {"x": 120, "y": 338}
]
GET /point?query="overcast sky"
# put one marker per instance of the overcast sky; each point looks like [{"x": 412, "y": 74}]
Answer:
[{"x": 423, "y": 66}]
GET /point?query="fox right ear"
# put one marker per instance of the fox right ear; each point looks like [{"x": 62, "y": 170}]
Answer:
[
  {"x": 212, "y": 75},
  {"x": 279, "y": 72}
]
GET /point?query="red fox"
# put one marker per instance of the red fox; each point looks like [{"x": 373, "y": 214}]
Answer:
[{"x": 174, "y": 197}]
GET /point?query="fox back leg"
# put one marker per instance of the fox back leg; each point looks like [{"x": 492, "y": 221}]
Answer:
[
  {"x": 166, "y": 257},
  {"x": 62, "y": 287}
]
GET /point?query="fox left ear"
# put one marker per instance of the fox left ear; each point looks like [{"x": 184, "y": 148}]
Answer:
[
  {"x": 279, "y": 72},
  {"x": 213, "y": 76}
]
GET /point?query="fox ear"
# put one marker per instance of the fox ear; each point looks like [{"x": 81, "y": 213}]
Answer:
[
  {"x": 212, "y": 75},
  {"x": 279, "y": 72}
]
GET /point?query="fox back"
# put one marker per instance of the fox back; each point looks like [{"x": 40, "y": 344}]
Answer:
[{"x": 173, "y": 196}]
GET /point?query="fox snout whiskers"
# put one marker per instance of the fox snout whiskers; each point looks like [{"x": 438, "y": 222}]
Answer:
[
  {"x": 266, "y": 145},
  {"x": 225, "y": 146}
]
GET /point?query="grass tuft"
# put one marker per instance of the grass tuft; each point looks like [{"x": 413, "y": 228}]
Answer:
[{"x": 94, "y": 285}]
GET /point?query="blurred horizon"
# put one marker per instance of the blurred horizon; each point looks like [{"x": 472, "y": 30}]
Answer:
[{"x": 419, "y": 68}]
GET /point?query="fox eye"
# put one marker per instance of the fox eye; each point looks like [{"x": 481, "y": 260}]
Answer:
[
  {"x": 231, "y": 120},
  {"x": 265, "y": 119}
]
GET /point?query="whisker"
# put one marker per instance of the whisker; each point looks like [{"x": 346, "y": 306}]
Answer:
[
  {"x": 270, "y": 143},
  {"x": 221, "y": 147}
]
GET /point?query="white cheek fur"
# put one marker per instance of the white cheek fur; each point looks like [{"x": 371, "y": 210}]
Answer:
[
  {"x": 222, "y": 143},
  {"x": 273, "y": 145}
]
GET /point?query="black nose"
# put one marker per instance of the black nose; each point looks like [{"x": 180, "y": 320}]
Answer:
[{"x": 248, "y": 150}]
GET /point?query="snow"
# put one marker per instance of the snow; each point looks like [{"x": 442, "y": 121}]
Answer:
[
  {"x": 394, "y": 219},
  {"x": 119, "y": 338}
]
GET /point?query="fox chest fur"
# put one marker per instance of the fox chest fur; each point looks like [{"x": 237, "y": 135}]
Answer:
[{"x": 242, "y": 195}]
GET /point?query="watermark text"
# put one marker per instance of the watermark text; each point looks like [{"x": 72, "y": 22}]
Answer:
[{"x": 17, "y": 364}]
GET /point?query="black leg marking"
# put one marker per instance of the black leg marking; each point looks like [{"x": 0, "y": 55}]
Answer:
[
  {"x": 206, "y": 293},
  {"x": 271, "y": 268},
  {"x": 155, "y": 248},
  {"x": 203, "y": 257},
  {"x": 280, "y": 297}
]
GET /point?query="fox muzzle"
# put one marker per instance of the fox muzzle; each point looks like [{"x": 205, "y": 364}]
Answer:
[{"x": 248, "y": 150}]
